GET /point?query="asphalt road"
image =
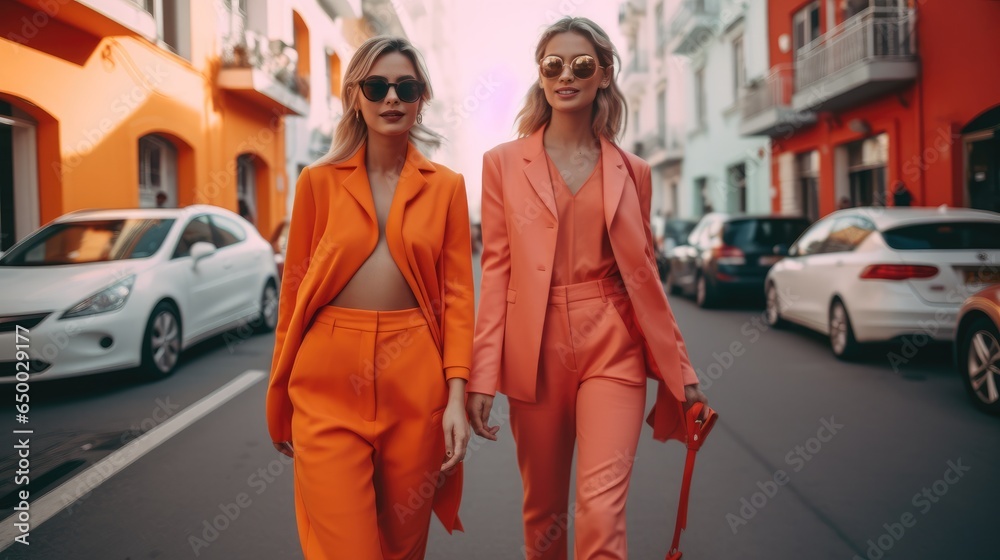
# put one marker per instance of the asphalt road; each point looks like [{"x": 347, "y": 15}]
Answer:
[{"x": 811, "y": 459}]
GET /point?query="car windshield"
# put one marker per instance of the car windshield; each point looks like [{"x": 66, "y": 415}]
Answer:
[
  {"x": 944, "y": 236},
  {"x": 90, "y": 241},
  {"x": 763, "y": 233},
  {"x": 678, "y": 230}
]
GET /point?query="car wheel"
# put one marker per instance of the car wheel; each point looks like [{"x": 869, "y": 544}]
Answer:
[
  {"x": 704, "y": 294},
  {"x": 772, "y": 312},
  {"x": 842, "y": 340},
  {"x": 979, "y": 363},
  {"x": 161, "y": 345},
  {"x": 268, "y": 318}
]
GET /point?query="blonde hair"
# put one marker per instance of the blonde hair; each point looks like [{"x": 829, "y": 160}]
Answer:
[
  {"x": 352, "y": 131},
  {"x": 610, "y": 109}
]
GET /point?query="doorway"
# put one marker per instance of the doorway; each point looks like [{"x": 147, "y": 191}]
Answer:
[
  {"x": 982, "y": 161},
  {"x": 19, "y": 215}
]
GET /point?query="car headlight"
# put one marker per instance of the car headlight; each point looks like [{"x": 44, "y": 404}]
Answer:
[{"x": 108, "y": 299}]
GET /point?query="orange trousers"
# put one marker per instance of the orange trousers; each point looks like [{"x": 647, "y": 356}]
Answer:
[
  {"x": 591, "y": 393},
  {"x": 368, "y": 392}
]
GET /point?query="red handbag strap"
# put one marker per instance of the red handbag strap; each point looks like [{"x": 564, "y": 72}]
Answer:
[{"x": 700, "y": 421}]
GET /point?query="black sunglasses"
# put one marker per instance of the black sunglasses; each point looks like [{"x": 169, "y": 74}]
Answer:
[
  {"x": 408, "y": 91},
  {"x": 583, "y": 66}
]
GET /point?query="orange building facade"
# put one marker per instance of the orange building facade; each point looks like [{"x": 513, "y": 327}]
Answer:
[
  {"x": 866, "y": 97},
  {"x": 140, "y": 103}
]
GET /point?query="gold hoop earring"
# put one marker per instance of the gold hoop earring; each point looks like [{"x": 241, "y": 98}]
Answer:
[{"x": 420, "y": 118}]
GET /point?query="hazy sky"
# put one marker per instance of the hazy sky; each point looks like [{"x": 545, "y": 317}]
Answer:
[{"x": 495, "y": 41}]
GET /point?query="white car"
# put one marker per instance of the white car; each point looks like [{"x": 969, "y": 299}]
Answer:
[
  {"x": 102, "y": 290},
  {"x": 878, "y": 274}
]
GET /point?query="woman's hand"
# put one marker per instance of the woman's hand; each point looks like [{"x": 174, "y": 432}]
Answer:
[
  {"x": 479, "y": 406},
  {"x": 456, "y": 434},
  {"x": 693, "y": 394},
  {"x": 284, "y": 447}
]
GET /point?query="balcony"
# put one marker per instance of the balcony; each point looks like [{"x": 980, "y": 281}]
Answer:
[
  {"x": 630, "y": 16},
  {"x": 634, "y": 78},
  {"x": 663, "y": 147},
  {"x": 263, "y": 71},
  {"x": 694, "y": 24},
  {"x": 347, "y": 9},
  {"x": 766, "y": 106},
  {"x": 870, "y": 54},
  {"x": 102, "y": 18}
]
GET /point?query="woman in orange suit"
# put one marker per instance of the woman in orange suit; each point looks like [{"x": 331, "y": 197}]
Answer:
[
  {"x": 572, "y": 315},
  {"x": 374, "y": 339}
]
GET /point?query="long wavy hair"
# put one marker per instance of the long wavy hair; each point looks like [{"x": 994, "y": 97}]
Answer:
[
  {"x": 610, "y": 109},
  {"x": 352, "y": 131}
]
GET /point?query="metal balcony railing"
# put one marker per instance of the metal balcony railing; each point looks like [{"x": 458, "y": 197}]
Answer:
[
  {"x": 874, "y": 34},
  {"x": 248, "y": 49},
  {"x": 690, "y": 10},
  {"x": 774, "y": 91}
]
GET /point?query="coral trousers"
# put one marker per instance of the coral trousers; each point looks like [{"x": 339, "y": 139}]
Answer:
[
  {"x": 592, "y": 393},
  {"x": 368, "y": 392}
]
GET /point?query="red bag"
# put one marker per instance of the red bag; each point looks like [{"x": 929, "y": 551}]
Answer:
[{"x": 700, "y": 420}]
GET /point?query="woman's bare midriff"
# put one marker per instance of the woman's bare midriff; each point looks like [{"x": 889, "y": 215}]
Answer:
[{"x": 378, "y": 285}]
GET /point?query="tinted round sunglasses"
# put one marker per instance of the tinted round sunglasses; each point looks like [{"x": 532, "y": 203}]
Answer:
[
  {"x": 584, "y": 66},
  {"x": 408, "y": 91}
]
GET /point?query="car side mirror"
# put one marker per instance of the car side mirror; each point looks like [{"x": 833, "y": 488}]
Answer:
[
  {"x": 782, "y": 249},
  {"x": 793, "y": 251},
  {"x": 200, "y": 250}
]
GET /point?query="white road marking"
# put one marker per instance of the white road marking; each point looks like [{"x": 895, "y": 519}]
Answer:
[{"x": 46, "y": 507}]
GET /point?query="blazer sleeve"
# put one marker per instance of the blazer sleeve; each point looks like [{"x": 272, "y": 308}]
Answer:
[
  {"x": 489, "y": 340},
  {"x": 458, "y": 288},
  {"x": 298, "y": 251},
  {"x": 645, "y": 188}
]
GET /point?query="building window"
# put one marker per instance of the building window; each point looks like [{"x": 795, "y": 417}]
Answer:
[
  {"x": 699, "y": 97},
  {"x": 246, "y": 187},
  {"x": 807, "y": 170},
  {"x": 173, "y": 24},
  {"x": 739, "y": 68},
  {"x": 703, "y": 195},
  {"x": 661, "y": 29},
  {"x": 157, "y": 172},
  {"x": 333, "y": 66},
  {"x": 867, "y": 160},
  {"x": 301, "y": 34},
  {"x": 738, "y": 188},
  {"x": 805, "y": 25}
]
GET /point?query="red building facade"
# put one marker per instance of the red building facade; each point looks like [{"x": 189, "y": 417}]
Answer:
[{"x": 866, "y": 96}]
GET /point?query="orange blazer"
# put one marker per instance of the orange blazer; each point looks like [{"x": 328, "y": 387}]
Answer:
[
  {"x": 519, "y": 227},
  {"x": 334, "y": 230}
]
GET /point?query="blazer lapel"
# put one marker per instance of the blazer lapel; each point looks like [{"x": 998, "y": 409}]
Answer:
[
  {"x": 357, "y": 183},
  {"x": 537, "y": 170},
  {"x": 615, "y": 178}
]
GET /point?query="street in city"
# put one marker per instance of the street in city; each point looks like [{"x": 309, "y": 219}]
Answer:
[{"x": 812, "y": 458}]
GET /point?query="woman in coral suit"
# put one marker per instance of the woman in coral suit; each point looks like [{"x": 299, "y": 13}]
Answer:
[
  {"x": 572, "y": 315},
  {"x": 374, "y": 339}
]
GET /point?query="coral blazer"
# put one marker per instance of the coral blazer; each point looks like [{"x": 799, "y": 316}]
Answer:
[
  {"x": 519, "y": 242},
  {"x": 430, "y": 241}
]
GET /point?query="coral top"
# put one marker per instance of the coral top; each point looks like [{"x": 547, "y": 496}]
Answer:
[{"x": 583, "y": 246}]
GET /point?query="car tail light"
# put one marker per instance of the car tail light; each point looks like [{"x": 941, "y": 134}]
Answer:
[
  {"x": 727, "y": 254},
  {"x": 898, "y": 272}
]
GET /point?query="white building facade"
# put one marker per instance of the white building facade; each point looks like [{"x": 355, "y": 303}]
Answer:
[{"x": 686, "y": 69}]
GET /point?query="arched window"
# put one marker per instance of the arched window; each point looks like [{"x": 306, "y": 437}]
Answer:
[
  {"x": 157, "y": 172},
  {"x": 246, "y": 187}
]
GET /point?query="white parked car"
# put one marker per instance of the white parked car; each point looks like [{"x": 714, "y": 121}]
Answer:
[
  {"x": 102, "y": 290},
  {"x": 877, "y": 274}
]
